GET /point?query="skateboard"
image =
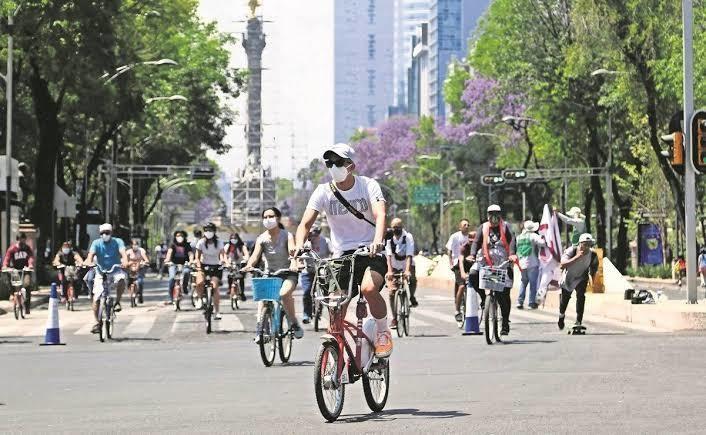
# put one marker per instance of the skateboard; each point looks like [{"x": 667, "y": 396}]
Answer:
[{"x": 577, "y": 330}]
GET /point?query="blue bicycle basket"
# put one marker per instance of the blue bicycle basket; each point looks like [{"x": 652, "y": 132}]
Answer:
[{"x": 266, "y": 289}]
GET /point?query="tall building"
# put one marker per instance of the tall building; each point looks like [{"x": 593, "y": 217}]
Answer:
[
  {"x": 418, "y": 74},
  {"x": 409, "y": 14},
  {"x": 363, "y": 66},
  {"x": 451, "y": 24}
]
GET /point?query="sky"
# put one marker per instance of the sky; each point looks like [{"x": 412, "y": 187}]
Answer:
[{"x": 297, "y": 87}]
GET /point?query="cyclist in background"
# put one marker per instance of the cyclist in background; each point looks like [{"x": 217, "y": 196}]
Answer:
[
  {"x": 453, "y": 249},
  {"x": 209, "y": 252},
  {"x": 107, "y": 252},
  {"x": 18, "y": 256},
  {"x": 236, "y": 251},
  {"x": 322, "y": 246},
  {"x": 67, "y": 257},
  {"x": 179, "y": 252},
  {"x": 137, "y": 257},
  {"x": 399, "y": 251},
  {"x": 274, "y": 245},
  {"x": 496, "y": 243}
]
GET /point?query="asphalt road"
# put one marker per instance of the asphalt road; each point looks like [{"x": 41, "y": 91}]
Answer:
[{"x": 164, "y": 374}]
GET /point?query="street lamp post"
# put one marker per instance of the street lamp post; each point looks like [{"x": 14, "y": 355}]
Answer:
[{"x": 8, "y": 131}]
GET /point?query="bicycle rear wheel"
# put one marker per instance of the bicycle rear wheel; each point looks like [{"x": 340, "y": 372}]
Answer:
[
  {"x": 330, "y": 392},
  {"x": 234, "y": 295},
  {"x": 18, "y": 309},
  {"x": 109, "y": 318},
  {"x": 284, "y": 338},
  {"x": 268, "y": 343},
  {"x": 208, "y": 312},
  {"x": 376, "y": 384}
]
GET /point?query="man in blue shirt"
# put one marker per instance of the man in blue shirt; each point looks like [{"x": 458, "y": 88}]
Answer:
[{"x": 108, "y": 251}]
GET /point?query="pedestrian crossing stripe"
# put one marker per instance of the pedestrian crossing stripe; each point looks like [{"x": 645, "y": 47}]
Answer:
[{"x": 140, "y": 325}]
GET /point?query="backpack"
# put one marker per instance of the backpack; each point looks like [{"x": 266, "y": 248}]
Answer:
[{"x": 394, "y": 251}]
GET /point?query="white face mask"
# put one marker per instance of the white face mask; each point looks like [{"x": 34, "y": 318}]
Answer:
[
  {"x": 65, "y": 251},
  {"x": 209, "y": 234},
  {"x": 269, "y": 223},
  {"x": 179, "y": 239},
  {"x": 233, "y": 241},
  {"x": 105, "y": 237},
  {"x": 338, "y": 175}
]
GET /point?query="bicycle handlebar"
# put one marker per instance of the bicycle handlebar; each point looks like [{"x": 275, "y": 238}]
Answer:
[
  {"x": 24, "y": 269},
  {"x": 276, "y": 273},
  {"x": 111, "y": 270}
]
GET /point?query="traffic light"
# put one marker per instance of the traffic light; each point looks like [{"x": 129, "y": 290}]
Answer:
[
  {"x": 698, "y": 140},
  {"x": 676, "y": 148},
  {"x": 492, "y": 180},
  {"x": 514, "y": 174}
]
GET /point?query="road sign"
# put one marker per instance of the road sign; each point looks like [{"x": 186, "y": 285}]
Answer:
[{"x": 427, "y": 194}]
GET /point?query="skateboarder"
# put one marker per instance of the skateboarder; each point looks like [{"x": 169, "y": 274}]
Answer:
[{"x": 579, "y": 262}]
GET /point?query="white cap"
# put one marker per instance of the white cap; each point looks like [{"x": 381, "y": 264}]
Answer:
[
  {"x": 586, "y": 237},
  {"x": 531, "y": 226},
  {"x": 105, "y": 227},
  {"x": 494, "y": 207},
  {"x": 575, "y": 212},
  {"x": 342, "y": 150}
]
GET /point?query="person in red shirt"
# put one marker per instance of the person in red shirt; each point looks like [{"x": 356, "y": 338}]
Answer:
[{"x": 18, "y": 256}]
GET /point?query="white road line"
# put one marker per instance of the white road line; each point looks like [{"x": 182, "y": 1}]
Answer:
[
  {"x": 85, "y": 329},
  {"x": 185, "y": 322},
  {"x": 416, "y": 321},
  {"x": 437, "y": 298},
  {"x": 140, "y": 325},
  {"x": 229, "y": 322}
]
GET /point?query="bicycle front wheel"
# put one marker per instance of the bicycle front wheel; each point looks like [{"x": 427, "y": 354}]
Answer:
[
  {"x": 208, "y": 312},
  {"x": 397, "y": 309},
  {"x": 490, "y": 319},
  {"x": 284, "y": 338},
  {"x": 268, "y": 343},
  {"x": 406, "y": 310},
  {"x": 330, "y": 392},
  {"x": 376, "y": 384},
  {"x": 109, "y": 319}
]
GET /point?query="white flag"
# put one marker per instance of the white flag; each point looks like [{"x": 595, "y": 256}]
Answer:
[{"x": 550, "y": 256}]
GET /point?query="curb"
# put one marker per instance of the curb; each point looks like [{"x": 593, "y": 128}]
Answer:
[{"x": 39, "y": 297}]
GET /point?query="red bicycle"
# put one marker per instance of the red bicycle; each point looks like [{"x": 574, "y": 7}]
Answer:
[
  {"x": 67, "y": 274},
  {"x": 347, "y": 351}
]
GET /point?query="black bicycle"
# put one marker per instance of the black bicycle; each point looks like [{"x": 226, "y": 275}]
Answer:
[
  {"x": 493, "y": 280},
  {"x": 106, "y": 305},
  {"x": 207, "y": 298},
  {"x": 402, "y": 304}
]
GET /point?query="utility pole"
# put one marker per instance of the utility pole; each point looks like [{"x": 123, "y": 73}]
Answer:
[
  {"x": 689, "y": 169},
  {"x": 8, "y": 131}
]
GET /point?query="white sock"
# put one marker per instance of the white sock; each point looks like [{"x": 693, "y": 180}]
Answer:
[{"x": 381, "y": 324}]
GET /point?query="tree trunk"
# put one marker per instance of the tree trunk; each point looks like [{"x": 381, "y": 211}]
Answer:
[
  {"x": 50, "y": 144},
  {"x": 595, "y": 183},
  {"x": 587, "y": 204}
]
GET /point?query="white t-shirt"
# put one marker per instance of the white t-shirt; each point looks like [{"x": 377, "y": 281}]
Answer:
[
  {"x": 404, "y": 247},
  {"x": 211, "y": 254},
  {"x": 347, "y": 231},
  {"x": 454, "y": 244}
]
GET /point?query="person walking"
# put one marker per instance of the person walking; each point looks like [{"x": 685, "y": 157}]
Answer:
[
  {"x": 702, "y": 266},
  {"x": 453, "y": 249},
  {"x": 322, "y": 246},
  {"x": 528, "y": 244},
  {"x": 579, "y": 263}
]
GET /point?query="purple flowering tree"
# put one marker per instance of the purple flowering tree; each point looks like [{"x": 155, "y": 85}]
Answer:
[{"x": 393, "y": 142}]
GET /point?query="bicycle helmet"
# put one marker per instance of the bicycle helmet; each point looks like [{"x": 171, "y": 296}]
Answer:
[{"x": 209, "y": 227}]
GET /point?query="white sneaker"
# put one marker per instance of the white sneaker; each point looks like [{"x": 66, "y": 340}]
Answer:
[{"x": 217, "y": 316}]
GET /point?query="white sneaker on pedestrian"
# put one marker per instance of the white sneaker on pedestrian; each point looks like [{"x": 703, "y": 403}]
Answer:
[{"x": 217, "y": 316}]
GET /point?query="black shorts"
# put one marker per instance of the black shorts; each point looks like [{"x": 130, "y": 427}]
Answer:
[
  {"x": 376, "y": 264},
  {"x": 210, "y": 271}
]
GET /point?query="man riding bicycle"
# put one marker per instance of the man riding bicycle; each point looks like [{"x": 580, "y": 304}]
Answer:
[
  {"x": 399, "y": 251},
  {"x": 67, "y": 257},
  {"x": 18, "y": 256},
  {"x": 108, "y": 251},
  {"x": 346, "y": 194},
  {"x": 496, "y": 243},
  {"x": 453, "y": 249}
]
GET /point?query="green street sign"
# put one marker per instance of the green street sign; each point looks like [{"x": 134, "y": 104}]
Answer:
[{"x": 426, "y": 195}]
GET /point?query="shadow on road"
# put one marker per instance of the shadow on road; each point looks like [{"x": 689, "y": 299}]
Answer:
[
  {"x": 428, "y": 336},
  {"x": 296, "y": 364},
  {"x": 129, "y": 339},
  {"x": 5, "y": 341},
  {"x": 529, "y": 342},
  {"x": 395, "y": 414}
]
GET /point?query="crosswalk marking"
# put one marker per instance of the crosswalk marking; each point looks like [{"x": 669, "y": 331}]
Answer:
[
  {"x": 85, "y": 329},
  {"x": 186, "y": 322},
  {"x": 229, "y": 322},
  {"x": 140, "y": 325},
  {"x": 437, "y": 298},
  {"x": 435, "y": 315}
]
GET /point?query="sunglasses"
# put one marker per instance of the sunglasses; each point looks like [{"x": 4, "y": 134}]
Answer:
[
  {"x": 105, "y": 232},
  {"x": 337, "y": 163}
]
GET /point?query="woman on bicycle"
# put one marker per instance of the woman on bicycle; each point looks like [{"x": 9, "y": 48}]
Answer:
[
  {"x": 274, "y": 245},
  {"x": 236, "y": 251},
  {"x": 67, "y": 257},
  {"x": 209, "y": 258},
  {"x": 137, "y": 259},
  {"x": 179, "y": 252}
]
